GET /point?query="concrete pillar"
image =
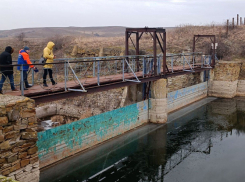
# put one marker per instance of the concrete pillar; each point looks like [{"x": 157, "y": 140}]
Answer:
[{"x": 158, "y": 109}]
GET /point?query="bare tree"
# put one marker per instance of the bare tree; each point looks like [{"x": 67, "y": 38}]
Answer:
[{"x": 21, "y": 36}]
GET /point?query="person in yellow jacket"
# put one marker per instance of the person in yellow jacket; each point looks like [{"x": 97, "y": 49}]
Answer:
[{"x": 49, "y": 56}]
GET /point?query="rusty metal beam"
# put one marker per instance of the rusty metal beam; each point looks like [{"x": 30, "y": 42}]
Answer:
[
  {"x": 164, "y": 64},
  {"x": 49, "y": 97},
  {"x": 145, "y": 30},
  {"x": 155, "y": 52},
  {"x": 212, "y": 40},
  {"x": 126, "y": 43},
  {"x": 208, "y": 35},
  {"x": 93, "y": 89}
]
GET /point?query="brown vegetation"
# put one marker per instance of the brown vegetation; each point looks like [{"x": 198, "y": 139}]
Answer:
[{"x": 179, "y": 40}]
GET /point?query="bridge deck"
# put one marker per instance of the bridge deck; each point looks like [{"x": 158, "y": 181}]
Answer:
[{"x": 45, "y": 94}]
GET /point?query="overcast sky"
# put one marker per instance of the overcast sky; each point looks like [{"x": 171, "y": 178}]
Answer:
[{"x": 131, "y": 13}]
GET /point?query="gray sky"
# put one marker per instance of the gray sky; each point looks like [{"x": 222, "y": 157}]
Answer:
[{"x": 131, "y": 13}]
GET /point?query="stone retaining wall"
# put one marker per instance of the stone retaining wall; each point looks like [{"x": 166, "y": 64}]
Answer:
[
  {"x": 226, "y": 81},
  {"x": 18, "y": 136}
]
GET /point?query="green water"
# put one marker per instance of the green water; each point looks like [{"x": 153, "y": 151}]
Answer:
[{"x": 205, "y": 145}]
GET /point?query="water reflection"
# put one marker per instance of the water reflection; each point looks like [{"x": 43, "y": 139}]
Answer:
[{"x": 183, "y": 150}]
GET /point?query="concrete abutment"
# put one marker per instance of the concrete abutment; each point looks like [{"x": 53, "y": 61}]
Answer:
[{"x": 158, "y": 111}]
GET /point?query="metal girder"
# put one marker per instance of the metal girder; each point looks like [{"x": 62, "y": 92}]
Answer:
[
  {"x": 62, "y": 94},
  {"x": 213, "y": 41},
  {"x": 153, "y": 32},
  {"x": 92, "y": 89},
  {"x": 146, "y": 29}
]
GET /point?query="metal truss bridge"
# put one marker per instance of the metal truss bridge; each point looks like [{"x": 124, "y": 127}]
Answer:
[{"x": 79, "y": 76}]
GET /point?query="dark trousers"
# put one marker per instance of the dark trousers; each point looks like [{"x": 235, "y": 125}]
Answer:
[
  {"x": 46, "y": 72},
  {"x": 25, "y": 75},
  {"x": 11, "y": 79}
]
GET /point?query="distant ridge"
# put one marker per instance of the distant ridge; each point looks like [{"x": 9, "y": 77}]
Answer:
[
  {"x": 64, "y": 31},
  {"x": 106, "y": 31}
]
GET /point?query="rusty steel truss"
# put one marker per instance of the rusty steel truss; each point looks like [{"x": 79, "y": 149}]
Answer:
[
  {"x": 213, "y": 41},
  {"x": 159, "y": 38},
  {"x": 95, "y": 74}
]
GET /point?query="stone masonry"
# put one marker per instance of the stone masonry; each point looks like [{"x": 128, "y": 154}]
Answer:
[
  {"x": 224, "y": 79},
  {"x": 18, "y": 137}
]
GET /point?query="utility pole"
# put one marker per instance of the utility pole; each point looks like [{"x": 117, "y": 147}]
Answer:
[{"x": 237, "y": 19}]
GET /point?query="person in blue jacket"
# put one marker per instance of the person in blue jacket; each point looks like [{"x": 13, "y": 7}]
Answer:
[{"x": 24, "y": 59}]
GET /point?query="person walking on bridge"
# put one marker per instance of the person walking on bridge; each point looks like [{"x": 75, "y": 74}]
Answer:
[
  {"x": 49, "y": 56},
  {"x": 6, "y": 59},
  {"x": 24, "y": 59}
]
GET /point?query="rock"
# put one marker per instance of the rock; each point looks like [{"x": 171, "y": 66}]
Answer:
[
  {"x": 14, "y": 115},
  {"x": 3, "y": 161},
  {"x": 12, "y": 159},
  {"x": 58, "y": 118},
  {"x": 8, "y": 129},
  {"x": 11, "y": 134},
  {"x": 32, "y": 120},
  {"x": 33, "y": 160},
  {"x": 5, "y": 145},
  {"x": 28, "y": 168},
  {"x": 32, "y": 150},
  {"x": 24, "y": 162},
  {"x": 22, "y": 155},
  {"x": 5, "y": 172},
  {"x": 3, "y": 121},
  {"x": 1, "y": 138},
  {"x": 28, "y": 144},
  {"x": 15, "y": 167},
  {"x": 16, "y": 127},
  {"x": 29, "y": 135},
  {"x": 28, "y": 113}
]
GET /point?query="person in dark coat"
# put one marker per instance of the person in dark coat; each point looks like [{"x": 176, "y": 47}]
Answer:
[{"x": 6, "y": 59}]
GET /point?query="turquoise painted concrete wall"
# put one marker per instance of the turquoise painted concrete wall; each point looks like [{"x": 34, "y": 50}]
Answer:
[{"x": 63, "y": 141}]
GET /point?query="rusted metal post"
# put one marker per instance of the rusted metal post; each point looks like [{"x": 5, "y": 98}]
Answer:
[
  {"x": 126, "y": 42},
  {"x": 227, "y": 28},
  {"x": 233, "y": 23},
  {"x": 237, "y": 19},
  {"x": 137, "y": 50},
  {"x": 155, "y": 52},
  {"x": 164, "y": 53},
  {"x": 126, "y": 48},
  {"x": 194, "y": 44}
]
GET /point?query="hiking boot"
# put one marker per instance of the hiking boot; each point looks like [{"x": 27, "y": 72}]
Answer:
[
  {"x": 45, "y": 85},
  {"x": 29, "y": 86},
  {"x": 54, "y": 83},
  {"x": 15, "y": 90}
]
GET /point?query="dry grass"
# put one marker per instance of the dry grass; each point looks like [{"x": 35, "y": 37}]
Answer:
[{"x": 179, "y": 39}]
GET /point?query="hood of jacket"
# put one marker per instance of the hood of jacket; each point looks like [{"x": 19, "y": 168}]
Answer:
[
  {"x": 50, "y": 45},
  {"x": 9, "y": 49}
]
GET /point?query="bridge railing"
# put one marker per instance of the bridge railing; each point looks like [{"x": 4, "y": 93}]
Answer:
[{"x": 100, "y": 70}]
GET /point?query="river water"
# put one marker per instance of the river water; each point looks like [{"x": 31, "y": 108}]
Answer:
[{"x": 207, "y": 144}]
